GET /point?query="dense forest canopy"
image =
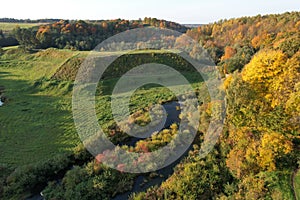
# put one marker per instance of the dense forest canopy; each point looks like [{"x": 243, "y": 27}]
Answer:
[{"x": 233, "y": 42}]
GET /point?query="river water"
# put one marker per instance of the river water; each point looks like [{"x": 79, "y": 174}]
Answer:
[{"x": 162, "y": 174}]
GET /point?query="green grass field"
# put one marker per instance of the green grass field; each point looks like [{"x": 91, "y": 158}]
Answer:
[
  {"x": 35, "y": 124},
  {"x": 7, "y": 27}
]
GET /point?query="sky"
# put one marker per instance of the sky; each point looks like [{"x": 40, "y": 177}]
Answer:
[{"x": 181, "y": 11}]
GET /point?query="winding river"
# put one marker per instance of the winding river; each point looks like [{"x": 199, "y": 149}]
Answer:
[{"x": 142, "y": 182}]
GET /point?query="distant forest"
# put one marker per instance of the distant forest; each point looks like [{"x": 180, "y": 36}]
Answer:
[
  {"x": 12, "y": 20},
  {"x": 79, "y": 35}
]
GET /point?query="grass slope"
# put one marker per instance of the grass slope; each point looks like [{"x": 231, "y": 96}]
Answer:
[{"x": 35, "y": 124}]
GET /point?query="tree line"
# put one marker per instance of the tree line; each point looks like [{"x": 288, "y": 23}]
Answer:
[{"x": 82, "y": 35}]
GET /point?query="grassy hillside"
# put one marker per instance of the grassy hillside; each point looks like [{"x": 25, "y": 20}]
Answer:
[{"x": 35, "y": 124}]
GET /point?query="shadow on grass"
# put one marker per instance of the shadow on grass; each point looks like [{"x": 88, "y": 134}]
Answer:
[{"x": 33, "y": 127}]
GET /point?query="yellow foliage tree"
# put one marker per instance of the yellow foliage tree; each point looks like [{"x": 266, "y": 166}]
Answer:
[
  {"x": 263, "y": 68},
  {"x": 285, "y": 84},
  {"x": 273, "y": 145},
  {"x": 241, "y": 160}
]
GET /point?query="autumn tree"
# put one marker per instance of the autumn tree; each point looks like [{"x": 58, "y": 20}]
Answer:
[
  {"x": 263, "y": 69},
  {"x": 229, "y": 52},
  {"x": 273, "y": 146}
]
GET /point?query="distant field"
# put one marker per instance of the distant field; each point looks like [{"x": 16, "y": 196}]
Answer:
[{"x": 7, "y": 27}]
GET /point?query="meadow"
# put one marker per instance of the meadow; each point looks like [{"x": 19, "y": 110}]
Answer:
[
  {"x": 35, "y": 123},
  {"x": 8, "y": 27}
]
